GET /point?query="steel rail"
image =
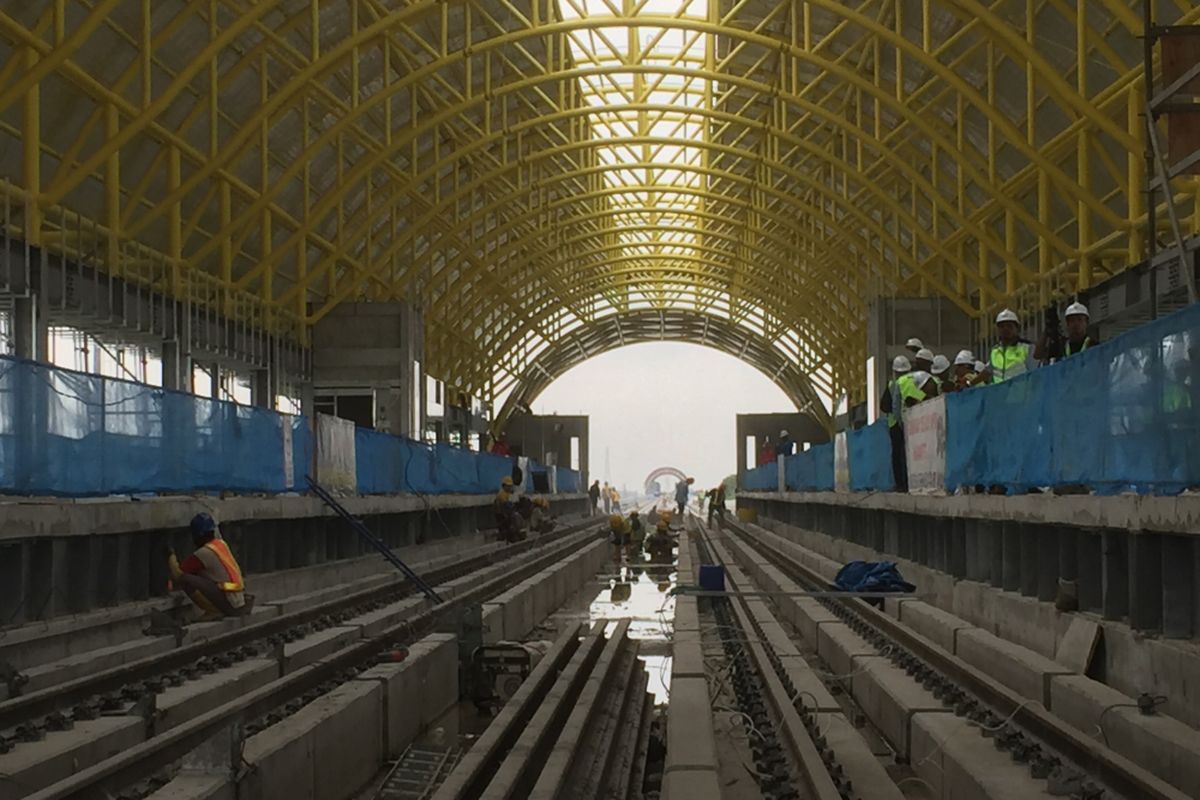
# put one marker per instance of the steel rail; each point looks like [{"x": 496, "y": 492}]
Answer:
[
  {"x": 118, "y": 772},
  {"x": 1120, "y": 774},
  {"x": 811, "y": 767},
  {"x": 24, "y": 708}
]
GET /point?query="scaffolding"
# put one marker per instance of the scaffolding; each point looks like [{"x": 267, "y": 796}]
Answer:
[{"x": 1174, "y": 95}]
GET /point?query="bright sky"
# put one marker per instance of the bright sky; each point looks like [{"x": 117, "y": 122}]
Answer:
[{"x": 662, "y": 404}]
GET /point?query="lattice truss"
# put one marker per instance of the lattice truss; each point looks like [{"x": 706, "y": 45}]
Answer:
[{"x": 527, "y": 171}]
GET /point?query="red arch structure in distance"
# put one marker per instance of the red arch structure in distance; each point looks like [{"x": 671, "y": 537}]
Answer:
[{"x": 661, "y": 472}]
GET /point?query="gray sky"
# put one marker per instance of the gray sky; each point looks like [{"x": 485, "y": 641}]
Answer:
[{"x": 662, "y": 404}]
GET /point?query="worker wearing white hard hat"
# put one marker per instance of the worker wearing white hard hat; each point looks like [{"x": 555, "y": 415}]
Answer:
[
  {"x": 1012, "y": 356},
  {"x": 913, "y": 345},
  {"x": 923, "y": 360},
  {"x": 940, "y": 370},
  {"x": 786, "y": 446},
  {"x": 889, "y": 409},
  {"x": 1078, "y": 340},
  {"x": 1053, "y": 346},
  {"x": 917, "y": 386},
  {"x": 966, "y": 374}
]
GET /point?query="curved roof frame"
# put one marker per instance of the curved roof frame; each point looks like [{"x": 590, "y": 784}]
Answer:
[
  {"x": 270, "y": 160},
  {"x": 618, "y": 331}
]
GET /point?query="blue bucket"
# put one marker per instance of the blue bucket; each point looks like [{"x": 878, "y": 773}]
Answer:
[{"x": 712, "y": 578}]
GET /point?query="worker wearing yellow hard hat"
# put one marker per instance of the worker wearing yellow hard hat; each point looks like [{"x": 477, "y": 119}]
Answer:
[{"x": 504, "y": 507}]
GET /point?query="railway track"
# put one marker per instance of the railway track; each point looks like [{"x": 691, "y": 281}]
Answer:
[
  {"x": 1055, "y": 756},
  {"x": 402, "y": 617}
]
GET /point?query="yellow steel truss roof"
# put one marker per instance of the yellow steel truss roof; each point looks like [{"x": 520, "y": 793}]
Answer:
[{"x": 531, "y": 173}]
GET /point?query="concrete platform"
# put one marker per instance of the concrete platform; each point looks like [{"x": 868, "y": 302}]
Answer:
[
  {"x": 1131, "y": 512},
  {"x": 417, "y": 691},
  {"x": 1021, "y": 670},
  {"x": 35, "y": 765},
  {"x": 961, "y": 764},
  {"x": 1164, "y": 746},
  {"x": 890, "y": 697}
]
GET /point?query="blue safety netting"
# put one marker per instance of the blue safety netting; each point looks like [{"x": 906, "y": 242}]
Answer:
[
  {"x": 870, "y": 454},
  {"x": 1122, "y": 416},
  {"x": 760, "y": 479},
  {"x": 810, "y": 470},
  {"x": 72, "y": 434},
  {"x": 568, "y": 480}
]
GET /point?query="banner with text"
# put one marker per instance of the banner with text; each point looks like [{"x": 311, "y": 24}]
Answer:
[
  {"x": 925, "y": 446},
  {"x": 841, "y": 463}
]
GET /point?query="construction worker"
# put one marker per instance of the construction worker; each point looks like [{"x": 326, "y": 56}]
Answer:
[
  {"x": 681, "y": 494},
  {"x": 505, "y": 507},
  {"x": 716, "y": 504},
  {"x": 593, "y": 498},
  {"x": 889, "y": 406},
  {"x": 914, "y": 345},
  {"x": 1013, "y": 355},
  {"x": 786, "y": 446},
  {"x": 923, "y": 360},
  {"x": 540, "y": 520},
  {"x": 618, "y": 534},
  {"x": 606, "y": 497},
  {"x": 660, "y": 543},
  {"x": 940, "y": 370},
  {"x": 915, "y": 387},
  {"x": 1078, "y": 340},
  {"x": 965, "y": 374},
  {"x": 210, "y": 576},
  {"x": 616, "y": 499},
  {"x": 637, "y": 534}
]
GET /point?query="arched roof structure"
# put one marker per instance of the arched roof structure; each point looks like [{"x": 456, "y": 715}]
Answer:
[
  {"x": 524, "y": 169},
  {"x": 675, "y": 325},
  {"x": 662, "y": 472}
]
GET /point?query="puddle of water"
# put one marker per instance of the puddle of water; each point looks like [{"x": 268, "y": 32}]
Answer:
[{"x": 641, "y": 592}]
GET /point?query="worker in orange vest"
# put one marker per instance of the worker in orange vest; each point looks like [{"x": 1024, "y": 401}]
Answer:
[{"x": 210, "y": 576}]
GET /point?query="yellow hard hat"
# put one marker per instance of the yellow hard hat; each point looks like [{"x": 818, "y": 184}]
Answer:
[
  {"x": 616, "y": 521},
  {"x": 506, "y": 481},
  {"x": 662, "y": 525}
]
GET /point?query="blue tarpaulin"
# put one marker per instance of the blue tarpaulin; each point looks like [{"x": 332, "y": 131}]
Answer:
[
  {"x": 871, "y": 576},
  {"x": 870, "y": 454},
  {"x": 1123, "y": 416}
]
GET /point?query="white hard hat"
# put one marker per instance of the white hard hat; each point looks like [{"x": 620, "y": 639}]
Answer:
[
  {"x": 920, "y": 377},
  {"x": 940, "y": 364},
  {"x": 1007, "y": 315},
  {"x": 900, "y": 364},
  {"x": 980, "y": 366},
  {"x": 1076, "y": 308},
  {"x": 783, "y": 433},
  {"x": 914, "y": 343},
  {"x": 925, "y": 354},
  {"x": 965, "y": 357}
]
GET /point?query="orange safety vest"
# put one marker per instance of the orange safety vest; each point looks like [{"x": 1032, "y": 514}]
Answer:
[{"x": 232, "y": 570}]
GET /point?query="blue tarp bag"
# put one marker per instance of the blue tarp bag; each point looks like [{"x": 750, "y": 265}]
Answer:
[{"x": 871, "y": 576}]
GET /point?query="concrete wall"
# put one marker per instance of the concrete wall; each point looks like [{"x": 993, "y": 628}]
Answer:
[
  {"x": 997, "y": 563},
  {"x": 891, "y": 321},
  {"x": 801, "y": 427},
  {"x": 539, "y": 436},
  {"x": 374, "y": 346},
  {"x": 71, "y": 558}
]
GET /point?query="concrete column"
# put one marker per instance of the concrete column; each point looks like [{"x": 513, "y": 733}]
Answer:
[
  {"x": 1115, "y": 570},
  {"x": 214, "y": 370},
  {"x": 956, "y": 548},
  {"x": 1178, "y": 586},
  {"x": 1090, "y": 570},
  {"x": 43, "y": 583},
  {"x": 995, "y": 562},
  {"x": 14, "y": 581},
  {"x": 1048, "y": 568},
  {"x": 262, "y": 388},
  {"x": 1030, "y": 552},
  {"x": 30, "y": 329},
  {"x": 138, "y": 565},
  {"x": 176, "y": 366},
  {"x": 1145, "y": 581},
  {"x": 1011, "y": 534}
]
